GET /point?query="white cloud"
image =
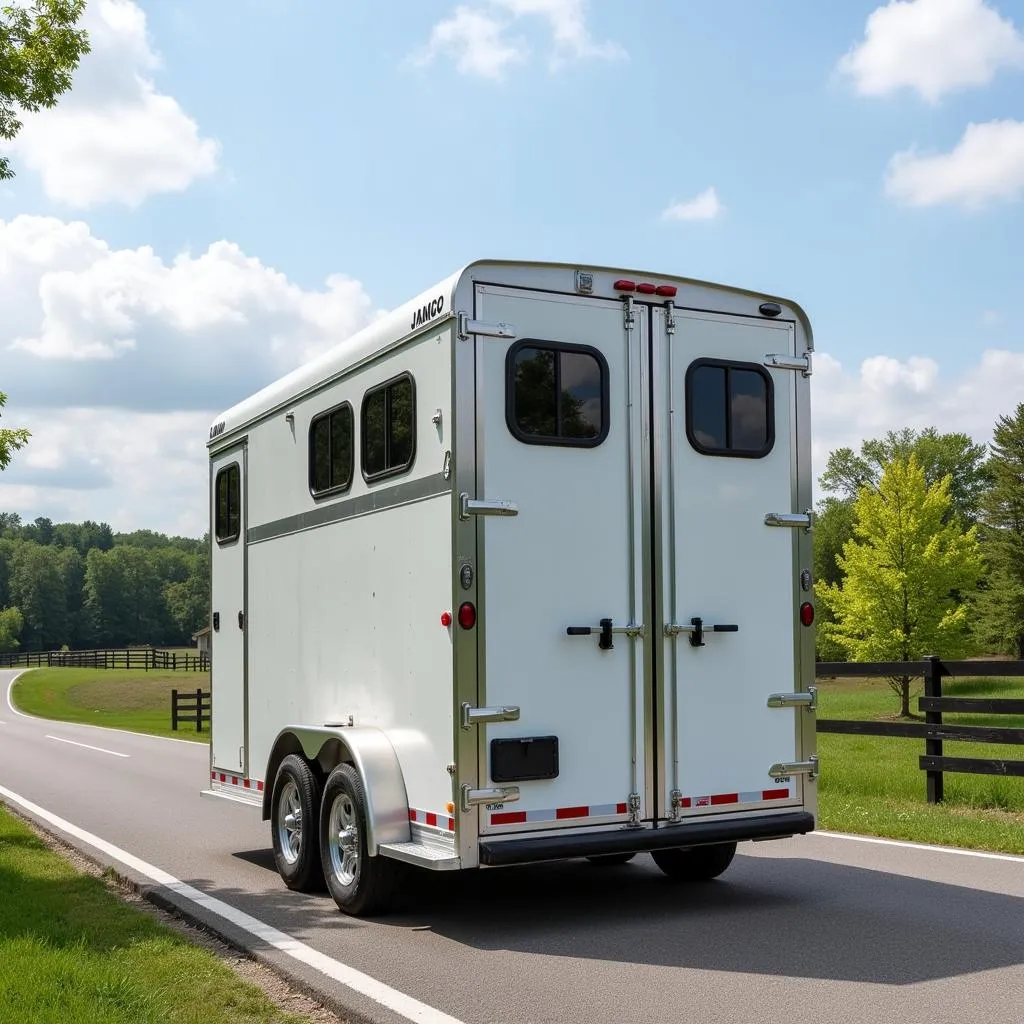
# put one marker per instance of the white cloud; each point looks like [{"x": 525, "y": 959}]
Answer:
[
  {"x": 986, "y": 165},
  {"x": 933, "y": 47},
  {"x": 703, "y": 206},
  {"x": 991, "y": 318},
  {"x": 114, "y": 137},
  {"x": 887, "y": 394},
  {"x": 480, "y": 42},
  {"x": 118, "y": 361}
]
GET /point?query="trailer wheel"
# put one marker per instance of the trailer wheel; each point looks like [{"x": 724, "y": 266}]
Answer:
[
  {"x": 611, "y": 859},
  {"x": 295, "y": 805},
  {"x": 360, "y": 884},
  {"x": 697, "y": 864}
]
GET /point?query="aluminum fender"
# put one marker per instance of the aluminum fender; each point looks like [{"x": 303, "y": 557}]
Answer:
[{"x": 373, "y": 756}]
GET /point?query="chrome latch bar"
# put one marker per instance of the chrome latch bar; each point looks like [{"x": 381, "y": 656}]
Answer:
[
  {"x": 677, "y": 804},
  {"x": 477, "y": 716},
  {"x": 605, "y": 631},
  {"x": 808, "y": 700},
  {"x": 808, "y": 767},
  {"x": 697, "y": 629},
  {"x": 495, "y": 795},
  {"x": 784, "y": 362},
  {"x": 483, "y": 329},
  {"x": 483, "y": 507},
  {"x": 793, "y": 520}
]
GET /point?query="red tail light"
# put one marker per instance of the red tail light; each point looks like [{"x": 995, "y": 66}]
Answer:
[
  {"x": 623, "y": 285},
  {"x": 806, "y": 613},
  {"x": 467, "y": 616},
  {"x": 667, "y": 290},
  {"x": 646, "y": 289}
]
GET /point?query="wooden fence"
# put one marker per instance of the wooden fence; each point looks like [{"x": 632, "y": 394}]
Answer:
[
  {"x": 190, "y": 706},
  {"x": 933, "y": 730},
  {"x": 147, "y": 659}
]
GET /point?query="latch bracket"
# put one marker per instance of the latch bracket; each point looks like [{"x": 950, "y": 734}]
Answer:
[
  {"x": 785, "y": 362},
  {"x": 808, "y": 768},
  {"x": 469, "y": 327},
  {"x": 477, "y": 716},
  {"x": 807, "y": 700}
]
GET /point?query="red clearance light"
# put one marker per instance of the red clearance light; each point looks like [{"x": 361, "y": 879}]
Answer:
[
  {"x": 806, "y": 613},
  {"x": 467, "y": 616},
  {"x": 646, "y": 289},
  {"x": 624, "y": 286},
  {"x": 446, "y": 619},
  {"x": 668, "y": 290}
]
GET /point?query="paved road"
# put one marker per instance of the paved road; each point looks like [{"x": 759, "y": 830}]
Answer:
[{"x": 812, "y": 930}]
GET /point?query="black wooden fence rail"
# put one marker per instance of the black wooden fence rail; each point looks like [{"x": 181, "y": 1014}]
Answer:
[
  {"x": 933, "y": 730},
  {"x": 190, "y": 706},
  {"x": 148, "y": 659}
]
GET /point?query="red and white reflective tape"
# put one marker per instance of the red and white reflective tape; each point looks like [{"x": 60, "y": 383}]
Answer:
[
  {"x": 441, "y": 821},
  {"x": 557, "y": 814},
  {"x": 227, "y": 779},
  {"x": 720, "y": 799}
]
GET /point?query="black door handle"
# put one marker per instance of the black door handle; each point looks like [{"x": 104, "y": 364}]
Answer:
[
  {"x": 605, "y": 640},
  {"x": 697, "y": 634}
]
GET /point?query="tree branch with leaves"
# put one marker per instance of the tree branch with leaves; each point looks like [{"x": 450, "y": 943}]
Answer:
[
  {"x": 11, "y": 439},
  {"x": 40, "y": 48}
]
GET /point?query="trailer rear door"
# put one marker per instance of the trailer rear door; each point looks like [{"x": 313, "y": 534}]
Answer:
[
  {"x": 726, "y": 452},
  {"x": 561, "y": 433}
]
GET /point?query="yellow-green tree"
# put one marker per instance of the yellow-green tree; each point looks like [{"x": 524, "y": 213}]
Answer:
[{"x": 908, "y": 571}]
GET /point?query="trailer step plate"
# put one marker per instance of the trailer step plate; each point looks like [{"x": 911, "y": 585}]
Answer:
[{"x": 422, "y": 854}]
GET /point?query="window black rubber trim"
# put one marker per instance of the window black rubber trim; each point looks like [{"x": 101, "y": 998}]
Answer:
[{"x": 731, "y": 453}]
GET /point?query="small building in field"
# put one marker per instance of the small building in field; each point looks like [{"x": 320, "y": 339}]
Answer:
[{"x": 202, "y": 640}]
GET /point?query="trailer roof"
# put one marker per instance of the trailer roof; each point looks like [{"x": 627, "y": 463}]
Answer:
[{"x": 393, "y": 327}]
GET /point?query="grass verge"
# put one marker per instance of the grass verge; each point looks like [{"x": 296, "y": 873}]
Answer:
[
  {"x": 72, "y": 951},
  {"x": 115, "y": 698},
  {"x": 873, "y": 785}
]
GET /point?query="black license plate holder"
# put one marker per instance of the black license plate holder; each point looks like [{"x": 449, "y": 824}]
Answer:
[{"x": 524, "y": 759}]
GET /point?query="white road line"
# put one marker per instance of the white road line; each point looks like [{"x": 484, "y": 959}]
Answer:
[
  {"x": 85, "y": 725},
  {"x": 921, "y": 846},
  {"x": 88, "y": 746},
  {"x": 398, "y": 1002}
]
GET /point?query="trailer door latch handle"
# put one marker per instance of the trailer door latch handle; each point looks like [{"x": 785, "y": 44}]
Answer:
[
  {"x": 697, "y": 629},
  {"x": 605, "y": 630}
]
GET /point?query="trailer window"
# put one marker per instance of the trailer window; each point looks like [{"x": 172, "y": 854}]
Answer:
[
  {"x": 556, "y": 394},
  {"x": 228, "y": 512},
  {"x": 729, "y": 408},
  {"x": 389, "y": 428},
  {"x": 331, "y": 451}
]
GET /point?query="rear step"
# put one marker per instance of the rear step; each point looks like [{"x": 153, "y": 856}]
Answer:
[{"x": 691, "y": 833}]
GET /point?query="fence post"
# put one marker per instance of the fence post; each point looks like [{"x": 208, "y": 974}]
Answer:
[
  {"x": 933, "y": 748},
  {"x": 199, "y": 710},
  {"x": 174, "y": 710}
]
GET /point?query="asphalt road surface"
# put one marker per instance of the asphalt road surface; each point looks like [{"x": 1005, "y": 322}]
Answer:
[{"x": 816, "y": 929}]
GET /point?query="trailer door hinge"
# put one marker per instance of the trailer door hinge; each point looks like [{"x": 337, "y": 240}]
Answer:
[
  {"x": 477, "y": 716},
  {"x": 628, "y": 319},
  {"x": 485, "y": 507},
  {"x": 677, "y": 804},
  {"x": 807, "y": 700},
  {"x": 784, "y": 362},
  {"x": 483, "y": 329},
  {"x": 494, "y": 795},
  {"x": 794, "y": 520},
  {"x": 808, "y": 768},
  {"x": 634, "y": 810},
  {"x": 670, "y": 317}
]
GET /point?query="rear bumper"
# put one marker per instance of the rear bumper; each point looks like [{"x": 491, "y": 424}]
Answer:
[{"x": 693, "y": 833}]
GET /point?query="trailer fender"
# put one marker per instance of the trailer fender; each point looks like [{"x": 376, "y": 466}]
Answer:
[{"x": 371, "y": 754}]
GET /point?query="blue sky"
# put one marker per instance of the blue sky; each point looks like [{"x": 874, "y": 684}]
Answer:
[{"x": 294, "y": 172}]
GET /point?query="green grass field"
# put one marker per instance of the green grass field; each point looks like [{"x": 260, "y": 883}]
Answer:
[
  {"x": 872, "y": 784},
  {"x": 116, "y": 698},
  {"x": 72, "y": 951}
]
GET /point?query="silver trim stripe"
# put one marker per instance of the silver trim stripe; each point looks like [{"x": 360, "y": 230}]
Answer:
[{"x": 376, "y": 501}]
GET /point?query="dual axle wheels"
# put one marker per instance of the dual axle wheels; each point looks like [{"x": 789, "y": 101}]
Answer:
[{"x": 319, "y": 837}]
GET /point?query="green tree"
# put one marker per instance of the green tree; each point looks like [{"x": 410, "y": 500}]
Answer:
[
  {"x": 40, "y": 47},
  {"x": 11, "y": 439},
  {"x": 1001, "y": 606},
  {"x": 39, "y": 589},
  {"x": 939, "y": 455},
  {"x": 123, "y": 596},
  {"x": 11, "y": 624},
  {"x": 907, "y": 573},
  {"x": 833, "y": 527}
]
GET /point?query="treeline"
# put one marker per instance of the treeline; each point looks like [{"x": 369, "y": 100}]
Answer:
[
  {"x": 84, "y": 586},
  {"x": 919, "y": 544}
]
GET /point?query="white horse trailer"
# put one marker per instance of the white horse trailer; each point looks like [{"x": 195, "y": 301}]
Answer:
[{"x": 521, "y": 571}]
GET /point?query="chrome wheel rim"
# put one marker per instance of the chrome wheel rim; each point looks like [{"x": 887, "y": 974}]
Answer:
[
  {"x": 343, "y": 840},
  {"x": 289, "y": 822}
]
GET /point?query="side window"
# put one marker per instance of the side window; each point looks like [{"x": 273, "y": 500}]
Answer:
[
  {"x": 331, "y": 451},
  {"x": 729, "y": 408},
  {"x": 228, "y": 512},
  {"x": 556, "y": 394},
  {"x": 389, "y": 428}
]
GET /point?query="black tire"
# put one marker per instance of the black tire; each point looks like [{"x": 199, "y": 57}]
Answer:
[
  {"x": 611, "y": 859},
  {"x": 296, "y": 850},
  {"x": 697, "y": 864},
  {"x": 361, "y": 885}
]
